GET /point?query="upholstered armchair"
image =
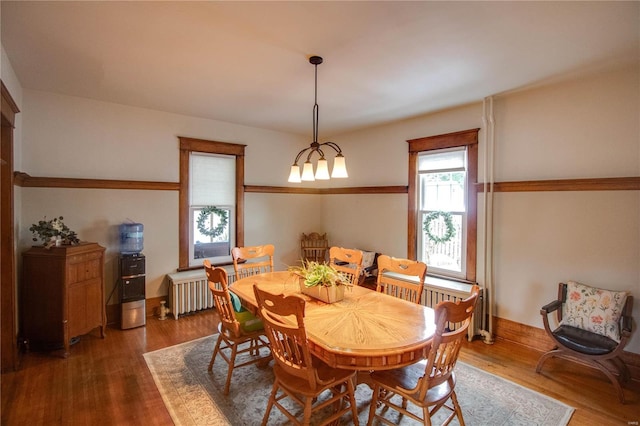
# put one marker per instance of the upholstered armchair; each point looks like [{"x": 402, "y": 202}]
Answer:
[{"x": 594, "y": 327}]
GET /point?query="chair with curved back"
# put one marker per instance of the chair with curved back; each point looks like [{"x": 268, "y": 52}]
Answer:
[
  {"x": 430, "y": 383},
  {"x": 393, "y": 274},
  {"x": 594, "y": 326},
  {"x": 298, "y": 375},
  {"x": 347, "y": 261},
  {"x": 314, "y": 247},
  {"x": 239, "y": 331},
  {"x": 252, "y": 260}
]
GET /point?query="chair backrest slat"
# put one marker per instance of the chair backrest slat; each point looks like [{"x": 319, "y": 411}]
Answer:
[
  {"x": 396, "y": 286},
  {"x": 347, "y": 261},
  {"x": 252, "y": 260}
]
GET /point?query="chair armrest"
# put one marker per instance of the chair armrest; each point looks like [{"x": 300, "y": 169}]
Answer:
[
  {"x": 550, "y": 307},
  {"x": 625, "y": 325}
]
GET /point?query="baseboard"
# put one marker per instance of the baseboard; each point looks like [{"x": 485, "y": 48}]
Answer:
[{"x": 537, "y": 339}]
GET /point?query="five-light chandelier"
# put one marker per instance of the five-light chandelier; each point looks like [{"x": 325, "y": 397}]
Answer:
[{"x": 322, "y": 169}]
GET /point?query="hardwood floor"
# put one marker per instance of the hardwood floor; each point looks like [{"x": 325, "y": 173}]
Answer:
[{"x": 107, "y": 382}]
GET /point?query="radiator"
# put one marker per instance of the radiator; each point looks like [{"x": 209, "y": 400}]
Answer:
[
  {"x": 436, "y": 290},
  {"x": 189, "y": 292}
]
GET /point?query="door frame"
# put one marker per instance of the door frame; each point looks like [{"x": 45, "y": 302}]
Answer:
[{"x": 8, "y": 282}]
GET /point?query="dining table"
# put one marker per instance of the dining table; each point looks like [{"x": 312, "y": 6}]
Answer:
[{"x": 365, "y": 331}]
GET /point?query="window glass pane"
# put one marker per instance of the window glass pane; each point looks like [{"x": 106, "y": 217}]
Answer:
[
  {"x": 442, "y": 191},
  {"x": 443, "y": 160},
  {"x": 443, "y": 255},
  {"x": 211, "y": 231}
]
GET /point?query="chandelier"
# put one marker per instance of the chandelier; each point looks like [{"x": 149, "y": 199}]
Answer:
[{"x": 322, "y": 167}]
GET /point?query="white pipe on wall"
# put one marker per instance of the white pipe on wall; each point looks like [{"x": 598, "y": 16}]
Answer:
[{"x": 489, "y": 146}]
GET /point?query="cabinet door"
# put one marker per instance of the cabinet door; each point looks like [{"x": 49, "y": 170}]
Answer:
[{"x": 85, "y": 307}]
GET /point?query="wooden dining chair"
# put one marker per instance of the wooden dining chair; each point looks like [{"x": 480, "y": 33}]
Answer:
[
  {"x": 239, "y": 331},
  {"x": 347, "y": 261},
  {"x": 430, "y": 383},
  {"x": 298, "y": 375},
  {"x": 252, "y": 260},
  {"x": 394, "y": 274},
  {"x": 314, "y": 247}
]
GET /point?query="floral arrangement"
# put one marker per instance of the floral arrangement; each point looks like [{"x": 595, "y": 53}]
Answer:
[
  {"x": 319, "y": 274},
  {"x": 50, "y": 231}
]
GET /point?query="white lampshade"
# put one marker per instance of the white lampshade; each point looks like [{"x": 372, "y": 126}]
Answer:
[
  {"x": 322, "y": 170},
  {"x": 294, "y": 175},
  {"x": 307, "y": 171},
  {"x": 339, "y": 167}
]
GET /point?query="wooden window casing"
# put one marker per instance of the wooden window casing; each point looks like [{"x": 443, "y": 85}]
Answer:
[
  {"x": 187, "y": 146},
  {"x": 465, "y": 138}
]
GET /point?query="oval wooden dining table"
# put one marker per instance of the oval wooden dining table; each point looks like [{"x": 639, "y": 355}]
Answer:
[{"x": 365, "y": 331}]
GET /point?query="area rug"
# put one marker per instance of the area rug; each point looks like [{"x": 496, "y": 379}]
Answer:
[{"x": 194, "y": 396}]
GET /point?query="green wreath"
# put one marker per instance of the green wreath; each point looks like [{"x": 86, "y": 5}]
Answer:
[
  {"x": 448, "y": 221},
  {"x": 218, "y": 230}
]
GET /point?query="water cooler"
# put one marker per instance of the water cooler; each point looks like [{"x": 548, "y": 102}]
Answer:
[{"x": 132, "y": 276}]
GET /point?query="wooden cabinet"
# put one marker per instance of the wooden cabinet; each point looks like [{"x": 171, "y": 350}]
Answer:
[{"x": 62, "y": 294}]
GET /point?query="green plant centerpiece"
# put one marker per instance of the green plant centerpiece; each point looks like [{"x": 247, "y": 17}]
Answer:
[
  {"x": 53, "y": 232},
  {"x": 321, "y": 281}
]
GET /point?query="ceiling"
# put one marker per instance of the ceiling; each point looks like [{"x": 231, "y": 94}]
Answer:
[{"x": 247, "y": 62}]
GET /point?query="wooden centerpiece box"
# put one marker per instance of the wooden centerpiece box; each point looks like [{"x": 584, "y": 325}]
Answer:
[{"x": 62, "y": 294}]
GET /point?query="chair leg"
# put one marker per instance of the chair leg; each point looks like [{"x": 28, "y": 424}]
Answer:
[
  {"x": 546, "y": 356},
  {"x": 232, "y": 363},
  {"x": 456, "y": 408},
  {"x": 622, "y": 369},
  {"x": 374, "y": 402},
  {"x": 215, "y": 352},
  {"x": 614, "y": 381},
  {"x": 272, "y": 399},
  {"x": 352, "y": 400},
  {"x": 306, "y": 417}
]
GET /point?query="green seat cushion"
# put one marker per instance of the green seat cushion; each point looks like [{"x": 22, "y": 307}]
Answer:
[{"x": 247, "y": 320}]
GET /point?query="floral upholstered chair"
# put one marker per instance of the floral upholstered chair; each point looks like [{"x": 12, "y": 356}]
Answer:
[{"x": 594, "y": 326}]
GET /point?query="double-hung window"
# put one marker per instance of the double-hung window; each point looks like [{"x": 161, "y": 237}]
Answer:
[
  {"x": 442, "y": 222},
  {"x": 212, "y": 207},
  {"x": 211, "y": 201},
  {"x": 442, "y": 210}
]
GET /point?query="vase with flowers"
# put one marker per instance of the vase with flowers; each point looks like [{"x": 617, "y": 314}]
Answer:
[
  {"x": 321, "y": 281},
  {"x": 53, "y": 233}
]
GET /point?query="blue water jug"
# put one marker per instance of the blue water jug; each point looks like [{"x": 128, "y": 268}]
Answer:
[{"x": 131, "y": 238}]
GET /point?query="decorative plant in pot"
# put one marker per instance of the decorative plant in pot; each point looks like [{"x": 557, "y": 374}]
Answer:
[
  {"x": 53, "y": 233},
  {"x": 321, "y": 281}
]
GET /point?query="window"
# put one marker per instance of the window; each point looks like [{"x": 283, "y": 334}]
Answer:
[
  {"x": 442, "y": 181},
  {"x": 212, "y": 205},
  {"x": 443, "y": 196},
  {"x": 211, "y": 201}
]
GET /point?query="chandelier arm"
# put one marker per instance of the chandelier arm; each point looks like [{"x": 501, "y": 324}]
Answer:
[
  {"x": 318, "y": 150},
  {"x": 334, "y": 146},
  {"x": 300, "y": 155}
]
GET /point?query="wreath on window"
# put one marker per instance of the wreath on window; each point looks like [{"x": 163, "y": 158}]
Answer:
[
  {"x": 222, "y": 224},
  {"x": 448, "y": 221}
]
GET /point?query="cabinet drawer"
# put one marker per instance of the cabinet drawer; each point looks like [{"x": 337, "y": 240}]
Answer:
[
  {"x": 83, "y": 257},
  {"x": 85, "y": 270}
]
